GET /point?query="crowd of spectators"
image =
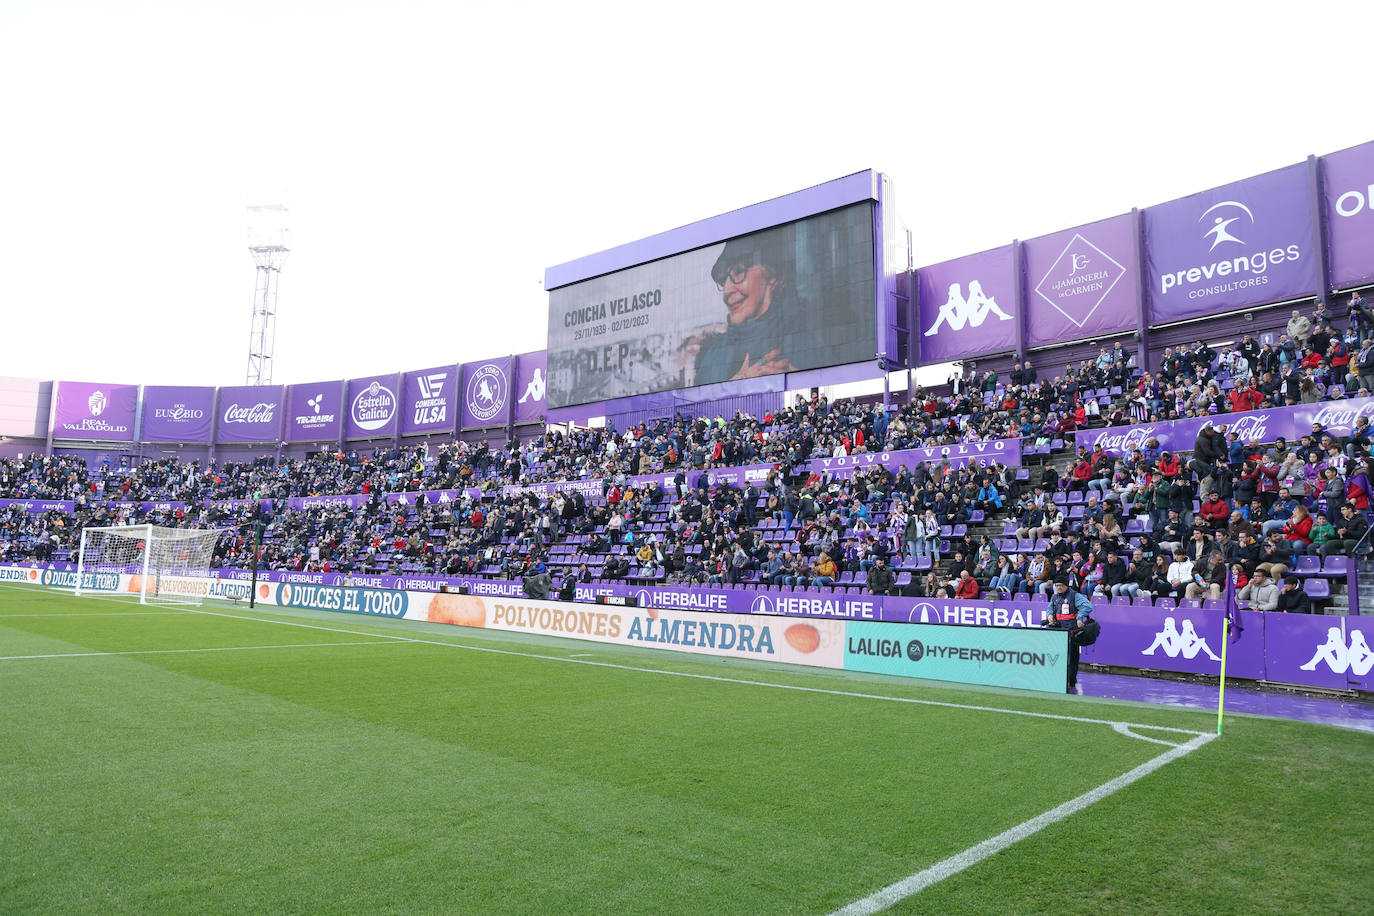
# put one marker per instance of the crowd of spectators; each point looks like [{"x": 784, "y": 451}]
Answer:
[{"x": 1151, "y": 523}]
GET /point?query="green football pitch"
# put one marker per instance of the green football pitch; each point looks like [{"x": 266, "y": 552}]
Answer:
[{"x": 225, "y": 760}]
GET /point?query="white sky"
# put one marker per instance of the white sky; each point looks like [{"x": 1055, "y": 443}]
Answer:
[{"x": 437, "y": 157}]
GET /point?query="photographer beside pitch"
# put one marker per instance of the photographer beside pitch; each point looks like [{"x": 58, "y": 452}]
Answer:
[{"x": 1070, "y": 610}]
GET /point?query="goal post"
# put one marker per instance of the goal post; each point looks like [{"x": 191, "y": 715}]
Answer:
[{"x": 164, "y": 565}]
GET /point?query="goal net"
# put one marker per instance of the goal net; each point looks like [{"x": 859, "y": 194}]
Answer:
[{"x": 164, "y": 565}]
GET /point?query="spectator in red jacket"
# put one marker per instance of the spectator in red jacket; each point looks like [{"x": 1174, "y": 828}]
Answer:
[
  {"x": 968, "y": 586},
  {"x": 1298, "y": 530},
  {"x": 1215, "y": 511}
]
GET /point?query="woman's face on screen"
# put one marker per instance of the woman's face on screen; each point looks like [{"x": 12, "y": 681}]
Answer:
[{"x": 747, "y": 292}]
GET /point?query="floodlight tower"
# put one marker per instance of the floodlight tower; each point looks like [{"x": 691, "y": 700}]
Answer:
[{"x": 267, "y": 238}]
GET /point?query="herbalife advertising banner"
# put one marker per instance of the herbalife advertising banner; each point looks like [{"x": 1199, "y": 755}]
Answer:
[
  {"x": 1003, "y": 451},
  {"x": 314, "y": 412},
  {"x": 1246, "y": 243},
  {"x": 967, "y": 306},
  {"x": 429, "y": 401},
  {"x": 1348, "y": 184},
  {"x": 486, "y": 393},
  {"x": 530, "y": 387},
  {"x": 173, "y": 413},
  {"x": 95, "y": 410},
  {"x": 249, "y": 413},
  {"x": 1338, "y": 417},
  {"x": 373, "y": 407},
  {"x": 1082, "y": 282}
]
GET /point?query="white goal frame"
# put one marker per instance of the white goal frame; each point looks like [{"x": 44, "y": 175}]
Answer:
[{"x": 186, "y": 581}]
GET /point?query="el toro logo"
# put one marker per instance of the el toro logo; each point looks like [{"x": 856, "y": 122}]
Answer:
[{"x": 486, "y": 392}]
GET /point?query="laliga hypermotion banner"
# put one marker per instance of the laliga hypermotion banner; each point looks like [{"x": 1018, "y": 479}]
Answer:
[
  {"x": 1082, "y": 282},
  {"x": 173, "y": 413},
  {"x": 93, "y": 410},
  {"x": 1246, "y": 243},
  {"x": 967, "y": 306}
]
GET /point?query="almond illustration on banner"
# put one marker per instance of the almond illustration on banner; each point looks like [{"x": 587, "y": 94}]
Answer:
[{"x": 803, "y": 637}]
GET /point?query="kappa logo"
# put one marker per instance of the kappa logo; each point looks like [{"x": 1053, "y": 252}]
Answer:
[
  {"x": 534, "y": 391},
  {"x": 96, "y": 402},
  {"x": 1177, "y": 642},
  {"x": 1221, "y": 223},
  {"x": 1358, "y": 659},
  {"x": 958, "y": 312},
  {"x": 762, "y": 604},
  {"x": 432, "y": 385}
]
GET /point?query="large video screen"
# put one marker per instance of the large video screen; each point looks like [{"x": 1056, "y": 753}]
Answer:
[{"x": 798, "y": 296}]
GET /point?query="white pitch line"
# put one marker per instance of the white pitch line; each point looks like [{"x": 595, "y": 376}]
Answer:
[
  {"x": 1111, "y": 723},
  {"x": 307, "y": 645},
  {"x": 938, "y": 872},
  {"x": 4, "y": 617}
]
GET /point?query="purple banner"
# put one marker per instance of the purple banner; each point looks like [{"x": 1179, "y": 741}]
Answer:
[
  {"x": 432, "y": 497},
  {"x": 1262, "y": 425},
  {"x": 173, "y": 413},
  {"x": 1176, "y": 639},
  {"x": 351, "y": 501},
  {"x": 486, "y": 393},
  {"x": 38, "y": 506},
  {"x": 1082, "y": 282},
  {"x": 249, "y": 413},
  {"x": 1348, "y": 182},
  {"x": 428, "y": 401},
  {"x": 1245, "y": 243},
  {"x": 313, "y": 412},
  {"x": 373, "y": 407},
  {"x": 1319, "y": 651},
  {"x": 237, "y": 503},
  {"x": 588, "y": 488},
  {"x": 1005, "y": 451},
  {"x": 530, "y": 370},
  {"x": 91, "y": 410},
  {"x": 967, "y": 306}
]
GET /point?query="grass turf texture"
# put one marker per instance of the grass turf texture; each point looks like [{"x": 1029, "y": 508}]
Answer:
[{"x": 411, "y": 777}]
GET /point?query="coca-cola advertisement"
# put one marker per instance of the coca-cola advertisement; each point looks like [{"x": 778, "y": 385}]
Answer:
[
  {"x": 249, "y": 413},
  {"x": 1338, "y": 417}
]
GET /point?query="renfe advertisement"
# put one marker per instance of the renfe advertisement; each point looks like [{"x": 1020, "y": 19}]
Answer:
[{"x": 797, "y": 296}]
